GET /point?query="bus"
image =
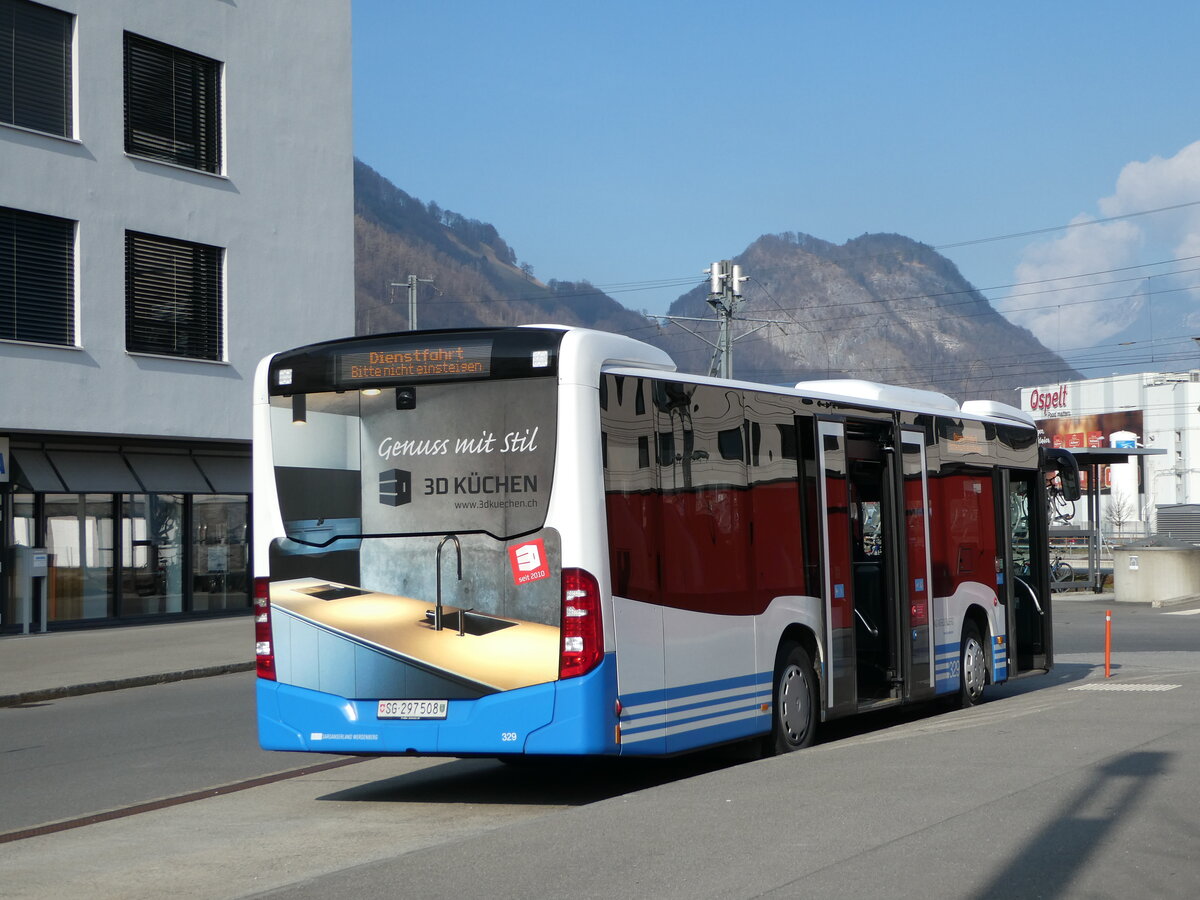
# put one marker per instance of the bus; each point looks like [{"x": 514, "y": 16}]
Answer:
[{"x": 545, "y": 540}]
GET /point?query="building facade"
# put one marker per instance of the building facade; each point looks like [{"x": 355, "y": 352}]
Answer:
[
  {"x": 176, "y": 201},
  {"x": 1151, "y": 410}
]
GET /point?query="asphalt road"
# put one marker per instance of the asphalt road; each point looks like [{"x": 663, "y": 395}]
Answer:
[
  {"x": 1057, "y": 786},
  {"x": 82, "y": 755},
  {"x": 1079, "y": 627}
]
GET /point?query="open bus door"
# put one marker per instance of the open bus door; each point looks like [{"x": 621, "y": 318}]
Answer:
[
  {"x": 839, "y": 680},
  {"x": 875, "y": 533},
  {"x": 1031, "y": 623},
  {"x": 916, "y": 591},
  {"x": 1026, "y": 586}
]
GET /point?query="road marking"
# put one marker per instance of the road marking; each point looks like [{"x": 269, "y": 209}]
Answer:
[
  {"x": 1126, "y": 687},
  {"x": 1184, "y": 612}
]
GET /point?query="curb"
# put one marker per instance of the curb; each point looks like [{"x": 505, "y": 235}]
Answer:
[
  {"x": 117, "y": 684},
  {"x": 1175, "y": 601}
]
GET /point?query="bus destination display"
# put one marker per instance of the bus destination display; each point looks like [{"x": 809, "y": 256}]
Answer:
[{"x": 434, "y": 360}]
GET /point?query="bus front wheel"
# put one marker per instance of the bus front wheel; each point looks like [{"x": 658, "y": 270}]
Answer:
[
  {"x": 794, "y": 714},
  {"x": 972, "y": 668}
]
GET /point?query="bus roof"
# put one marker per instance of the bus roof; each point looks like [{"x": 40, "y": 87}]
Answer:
[{"x": 585, "y": 352}]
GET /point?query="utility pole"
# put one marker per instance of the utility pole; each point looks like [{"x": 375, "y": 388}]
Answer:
[
  {"x": 412, "y": 283},
  {"x": 725, "y": 296}
]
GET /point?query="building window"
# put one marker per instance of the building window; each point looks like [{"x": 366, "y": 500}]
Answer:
[
  {"x": 172, "y": 104},
  {"x": 172, "y": 297},
  {"x": 125, "y": 556},
  {"x": 35, "y": 67},
  {"x": 37, "y": 278}
]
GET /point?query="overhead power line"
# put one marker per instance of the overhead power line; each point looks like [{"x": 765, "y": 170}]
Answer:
[{"x": 1051, "y": 229}]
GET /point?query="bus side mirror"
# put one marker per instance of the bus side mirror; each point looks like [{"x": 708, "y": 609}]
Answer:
[{"x": 1063, "y": 463}]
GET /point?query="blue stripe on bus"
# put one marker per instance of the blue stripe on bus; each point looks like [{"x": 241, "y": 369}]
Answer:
[
  {"x": 700, "y": 704},
  {"x": 661, "y": 695},
  {"x": 754, "y": 708},
  {"x": 946, "y": 662},
  {"x": 685, "y": 717},
  {"x": 999, "y": 660},
  {"x": 744, "y": 723}
]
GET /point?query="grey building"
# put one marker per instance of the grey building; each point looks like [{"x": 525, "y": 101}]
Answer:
[{"x": 176, "y": 201}]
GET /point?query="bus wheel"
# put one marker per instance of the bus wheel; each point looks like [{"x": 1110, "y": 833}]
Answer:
[
  {"x": 972, "y": 667},
  {"x": 794, "y": 718}
]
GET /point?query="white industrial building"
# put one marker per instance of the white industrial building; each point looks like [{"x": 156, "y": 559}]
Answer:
[
  {"x": 1153, "y": 410},
  {"x": 176, "y": 201}
]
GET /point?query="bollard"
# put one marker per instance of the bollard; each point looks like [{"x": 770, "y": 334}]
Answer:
[{"x": 1107, "y": 642}]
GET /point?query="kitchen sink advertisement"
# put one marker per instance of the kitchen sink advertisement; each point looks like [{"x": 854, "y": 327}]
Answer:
[{"x": 458, "y": 578}]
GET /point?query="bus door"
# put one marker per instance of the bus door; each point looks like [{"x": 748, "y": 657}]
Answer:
[
  {"x": 839, "y": 681},
  {"x": 874, "y": 561},
  {"x": 917, "y": 567},
  {"x": 1026, "y": 590}
]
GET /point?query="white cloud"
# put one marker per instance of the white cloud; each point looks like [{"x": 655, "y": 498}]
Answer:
[
  {"x": 1090, "y": 312},
  {"x": 1158, "y": 183}
]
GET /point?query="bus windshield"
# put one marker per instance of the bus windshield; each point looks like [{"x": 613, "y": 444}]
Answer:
[{"x": 425, "y": 459}]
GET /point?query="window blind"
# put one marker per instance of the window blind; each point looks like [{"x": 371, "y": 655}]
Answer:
[
  {"x": 35, "y": 67},
  {"x": 172, "y": 297},
  {"x": 37, "y": 278},
  {"x": 172, "y": 104}
]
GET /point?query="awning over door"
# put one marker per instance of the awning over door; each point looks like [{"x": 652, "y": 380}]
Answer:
[
  {"x": 227, "y": 474},
  {"x": 161, "y": 473},
  {"x": 94, "y": 472},
  {"x": 34, "y": 472}
]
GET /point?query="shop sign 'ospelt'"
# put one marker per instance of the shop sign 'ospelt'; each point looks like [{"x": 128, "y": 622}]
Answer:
[{"x": 1046, "y": 401}]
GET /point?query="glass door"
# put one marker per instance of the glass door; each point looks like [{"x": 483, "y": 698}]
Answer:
[
  {"x": 917, "y": 591},
  {"x": 151, "y": 554},
  {"x": 838, "y": 573}
]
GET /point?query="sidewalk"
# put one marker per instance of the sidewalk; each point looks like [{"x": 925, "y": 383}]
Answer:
[
  {"x": 1109, "y": 597},
  {"x": 65, "y": 663}
]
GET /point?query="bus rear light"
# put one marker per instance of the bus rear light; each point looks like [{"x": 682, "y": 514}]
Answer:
[
  {"x": 582, "y": 625},
  {"x": 264, "y": 653}
]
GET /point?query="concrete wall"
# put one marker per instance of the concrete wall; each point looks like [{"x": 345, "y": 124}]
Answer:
[
  {"x": 1150, "y": 574},
  {"x": 282, "y": 208}
]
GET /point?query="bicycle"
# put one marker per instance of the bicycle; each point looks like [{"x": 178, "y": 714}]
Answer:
[
  {"x": 1061, "y": 511},
  {"x": 1061, "y": 571}
]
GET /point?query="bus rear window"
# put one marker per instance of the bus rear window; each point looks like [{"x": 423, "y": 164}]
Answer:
[{"x": 422, "y": 459}]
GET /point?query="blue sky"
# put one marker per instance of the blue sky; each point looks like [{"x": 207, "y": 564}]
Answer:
[{"x": 630, "y": 143}]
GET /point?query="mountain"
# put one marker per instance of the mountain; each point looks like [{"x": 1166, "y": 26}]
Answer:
[
  {"x": 881, "y": 307},
  {"x": 477, "y": 279}
]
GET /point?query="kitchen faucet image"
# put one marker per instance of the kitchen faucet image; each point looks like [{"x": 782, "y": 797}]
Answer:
[{"x": 437, "y": 612}]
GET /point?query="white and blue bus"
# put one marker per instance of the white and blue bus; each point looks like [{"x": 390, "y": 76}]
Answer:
[{"x": 545, "y": 540}]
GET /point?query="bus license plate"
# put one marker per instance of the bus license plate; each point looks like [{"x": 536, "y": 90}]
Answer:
[{"x": 412, "y": 709}]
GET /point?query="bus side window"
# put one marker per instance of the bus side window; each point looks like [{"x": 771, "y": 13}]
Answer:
[{"x": 631, "y": 509}]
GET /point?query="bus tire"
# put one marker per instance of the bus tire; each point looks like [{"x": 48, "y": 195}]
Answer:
[
  {"x": 794, "y": 706},
  {"x": 972, "y": 666}
]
